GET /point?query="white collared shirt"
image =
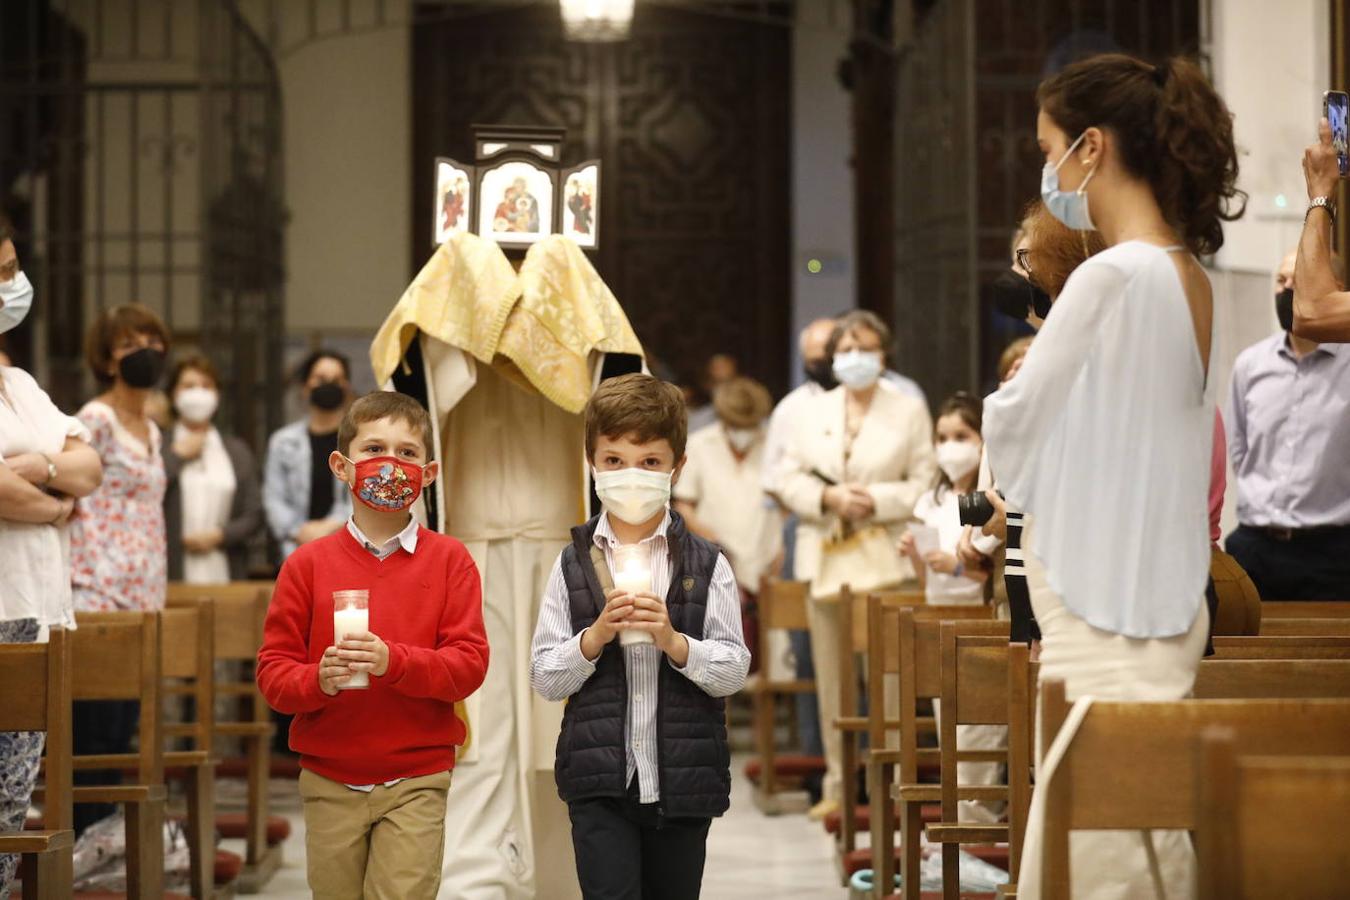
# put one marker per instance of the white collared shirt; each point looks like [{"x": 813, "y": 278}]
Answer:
[{"x": 407, "y": 539}]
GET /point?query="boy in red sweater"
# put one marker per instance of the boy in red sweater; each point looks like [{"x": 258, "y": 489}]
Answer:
[{"x": 376, "y": 761}]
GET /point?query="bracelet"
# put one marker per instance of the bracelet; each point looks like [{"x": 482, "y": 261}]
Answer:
[
  {"x": 1323, "y": 202},
  {"x": 51, "y": 469}
]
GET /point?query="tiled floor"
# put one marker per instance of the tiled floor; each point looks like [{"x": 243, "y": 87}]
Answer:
[{"x": 750, "y": 856}]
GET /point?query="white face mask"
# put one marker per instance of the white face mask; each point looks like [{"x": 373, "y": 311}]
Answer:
[
  {"x": 16, "y": 298},
  {"x": 633, "y": 495},
  {"x": 742, "y": 439},
  {"x": 1070, "y": 207},
  {"x": 858, "y": 369},
  {"x": 196, "y": 404},
  {"x": 958, "y": 458}
]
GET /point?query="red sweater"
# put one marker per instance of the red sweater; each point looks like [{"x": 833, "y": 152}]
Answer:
[{"x": 427, "y": 606}]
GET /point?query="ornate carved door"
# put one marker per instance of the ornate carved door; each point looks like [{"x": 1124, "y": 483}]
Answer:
[{"x": 690, "y": 116}]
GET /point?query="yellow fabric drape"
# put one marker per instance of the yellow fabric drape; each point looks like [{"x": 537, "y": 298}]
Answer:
[{"x": 538, "y": 327}]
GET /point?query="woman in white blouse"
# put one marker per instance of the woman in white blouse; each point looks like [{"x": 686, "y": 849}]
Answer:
[
  {"x": 212, "y": 505},
  {"x": 859, "y": 454},
  {"x": 1103, "y": 437},
  {"x": 45, "y": 464}
]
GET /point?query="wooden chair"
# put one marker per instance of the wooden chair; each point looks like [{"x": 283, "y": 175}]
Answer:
[
  {"x": 1282, "y": 647},
  {"x": 1302, "y": 626},
  {"x": 1149, "y": 751},
  {"x": 782, "y": 605},
  {"x": 853, "y": 640},
  {"x": 35, "y": 695},
  {"x": 1022, "y": 677},
  {"x": 239, "y": 610},
  {"x": 116, "y": 656},
  {"x": 1267, "y": 820},
  {"x": 906, "y": 642},
  {"x": 974, "y": 692}
]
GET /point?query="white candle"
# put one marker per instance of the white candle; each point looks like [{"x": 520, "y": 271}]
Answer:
[
  {"x": 348, "y": 621},
  {"x": 633, "y": 576}
]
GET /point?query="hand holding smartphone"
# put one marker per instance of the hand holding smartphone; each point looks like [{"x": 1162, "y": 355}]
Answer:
[{"x": 1336, "y": 108}]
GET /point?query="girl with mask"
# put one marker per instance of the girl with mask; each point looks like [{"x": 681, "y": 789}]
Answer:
[
  {"x": 118, "y": 547},
  {"x": 858, "y": 455},
  {"x": 302, "y": 499},
  {"x": 957, "y": 448},
  {"x": 1103, "y": 438},
  {"x": 46, "y": 463},
  {"x": 213, "y": 506}
]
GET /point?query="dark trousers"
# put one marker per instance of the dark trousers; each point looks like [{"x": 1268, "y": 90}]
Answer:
[
  {"x": 1311, "y": 565},
  {"x": 626, "y": 852},
  {"x": 98, "y": 727}
]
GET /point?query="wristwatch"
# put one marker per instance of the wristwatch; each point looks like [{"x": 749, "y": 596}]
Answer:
[
  {"x": 1326, "y": 203},
  {"x": 51, "y": 470}
]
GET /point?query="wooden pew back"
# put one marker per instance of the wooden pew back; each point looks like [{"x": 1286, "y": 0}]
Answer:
[
  {"x": 1306, "y": 609},
  {"x": 1282, "y": 647},
  {"x": 1150, "y": 750},
  {"x": 35, "y": 695},
  {"x": 116, "y": 656},
  {"x": 1304, "y": 626},
  {"x": 1265, "y": 820}
]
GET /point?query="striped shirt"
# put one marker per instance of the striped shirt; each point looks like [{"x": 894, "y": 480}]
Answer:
[{"x": 717, "y": 664}]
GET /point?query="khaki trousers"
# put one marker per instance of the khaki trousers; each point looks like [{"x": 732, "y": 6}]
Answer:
[{"x": 383, "y": 844}]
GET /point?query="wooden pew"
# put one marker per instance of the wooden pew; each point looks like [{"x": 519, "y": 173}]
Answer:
[
  {"x": 974, "y": 692},
  {"x": 1302, "y": 626},
  {"x": 116, "y": 656},
  {"x": 906, "y": 642},
  {"x": 782, "y": 605},
  {"x": 1282, "y": 647},
  {"x": 853, "y": 640},
  {"x": 1306, "y": 609},
  {"x": 239, "y": 609},
  {"x": 1265, "y": 821},
  {"x": 1264, "y": 675},
  {"x": 35, "y": 695},
  {"x": 1149, "y": 751}
]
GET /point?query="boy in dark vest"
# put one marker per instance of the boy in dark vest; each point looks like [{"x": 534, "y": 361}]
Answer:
[{"x": 642, "y": 760}]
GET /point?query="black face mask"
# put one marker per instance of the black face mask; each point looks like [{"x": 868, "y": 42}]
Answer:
[
  {"x": 327, "y": 396},
  {"x": 1284, "y": 308},
  {"x": 142, "y": 369},
  {"x": 821, "y": 371},
  {"x": 1015, "y": 296}
]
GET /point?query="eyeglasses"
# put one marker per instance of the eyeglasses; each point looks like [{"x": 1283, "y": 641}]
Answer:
[{"x": 1023, "y": 255}]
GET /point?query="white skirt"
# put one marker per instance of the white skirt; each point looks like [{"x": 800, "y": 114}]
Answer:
[{"x": 1109, "y": 865}]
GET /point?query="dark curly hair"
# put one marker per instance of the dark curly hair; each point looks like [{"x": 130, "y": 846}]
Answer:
[{"x": 1172, "y": 128}]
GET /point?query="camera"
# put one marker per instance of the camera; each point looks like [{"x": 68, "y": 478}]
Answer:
[{"x": 975, "y": 509}]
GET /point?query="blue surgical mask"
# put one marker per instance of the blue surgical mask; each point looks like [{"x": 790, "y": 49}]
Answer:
[
  {"x": 1070, "y": 208},
  {"x": 858, "y": 369},
  {"x": 16, "y": 298}
]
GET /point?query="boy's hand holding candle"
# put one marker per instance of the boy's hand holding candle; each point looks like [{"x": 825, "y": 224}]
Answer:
[
  {"x": 650, "y": 617},
  {"x": 333, "y": 672},
  {"x": 365, "y": 653},
  {"x": 603, "y": 630}
]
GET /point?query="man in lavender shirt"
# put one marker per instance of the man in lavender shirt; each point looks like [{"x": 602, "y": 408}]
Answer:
[{"x": 1289, "y": 439}]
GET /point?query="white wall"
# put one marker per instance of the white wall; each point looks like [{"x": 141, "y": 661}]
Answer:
[
  {"x": 822, "y": 185},
  {"x": 346, "y": 104},
  {"x": 1271, "y": 65}
]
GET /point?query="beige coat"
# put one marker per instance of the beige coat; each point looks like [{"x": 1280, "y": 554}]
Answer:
[{"x": 892, "y": 457}]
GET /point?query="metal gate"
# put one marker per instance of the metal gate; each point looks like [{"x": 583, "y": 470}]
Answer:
[
  {"x": 967, "y": 161},
  {"x": 140, "y": 157}
]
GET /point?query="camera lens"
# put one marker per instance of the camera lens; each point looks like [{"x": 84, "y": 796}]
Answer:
[{"x": 974, "y": 509}]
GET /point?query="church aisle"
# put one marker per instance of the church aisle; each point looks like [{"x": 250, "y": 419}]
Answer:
[{"x": 749, "y": 854}]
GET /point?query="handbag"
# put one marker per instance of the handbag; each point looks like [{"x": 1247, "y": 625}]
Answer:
[{"x": 865, "y": 560}]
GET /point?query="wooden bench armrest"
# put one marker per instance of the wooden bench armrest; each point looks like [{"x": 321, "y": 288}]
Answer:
[
  {"x": 189, "y": 758},
  {"x": 886, "y": 757},
  {"x": 36, "y": 841},
  {"x": 118, "y": 793},
  {"x": 950, "y": 833},
  {"x": 245, "y": 729},
  {"x": 917, "y": 793},
  {"x": 982, "y": 792},
  {"x": 859, "y": 723}
]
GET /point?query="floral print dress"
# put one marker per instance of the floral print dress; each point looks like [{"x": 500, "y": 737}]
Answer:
[{"x": 118, "y": 546}]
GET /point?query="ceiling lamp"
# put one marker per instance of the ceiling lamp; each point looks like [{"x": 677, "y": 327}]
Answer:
[{"x": 596, "y": 20}]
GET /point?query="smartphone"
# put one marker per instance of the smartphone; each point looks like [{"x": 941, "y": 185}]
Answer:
[{"x": 1336, "y": 107}]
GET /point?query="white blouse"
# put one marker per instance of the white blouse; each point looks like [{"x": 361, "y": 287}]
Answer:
[
  {"x": 944, "y": 515},
  {"x": 34, "y": 558},
  {"x": 1104, "y": 437},
  {"x": 207, "y": 485}
]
